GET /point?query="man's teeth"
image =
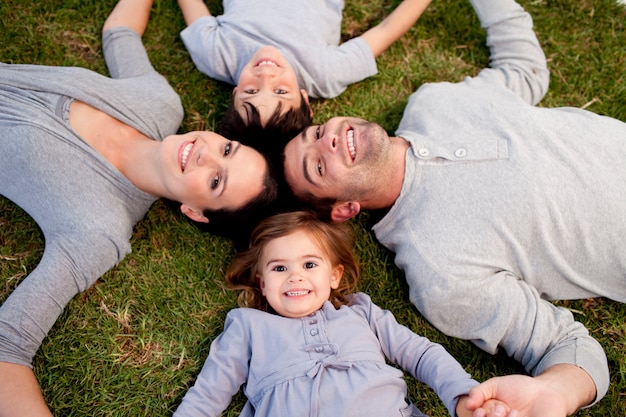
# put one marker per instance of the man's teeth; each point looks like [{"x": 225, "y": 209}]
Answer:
[
  {"x": 186, "y": 150},
  {"x": 351, "y": 147},
  {"x": 297, "y": 293}
]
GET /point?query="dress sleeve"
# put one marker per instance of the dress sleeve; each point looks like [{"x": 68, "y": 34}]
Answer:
[
  {"x": 428, "y": 362},
  {"x": 224, "y": 371}
]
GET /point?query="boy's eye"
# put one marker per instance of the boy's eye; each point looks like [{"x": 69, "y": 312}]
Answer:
[
  {"x": 309, "y": 265},
  {"x": 280, "y": 91},
  {"x": 227, "y": 149},
  {"x": 250, "y": 91}
]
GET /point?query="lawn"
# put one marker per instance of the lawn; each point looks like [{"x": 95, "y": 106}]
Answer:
[{"x": 133, "y": 343}]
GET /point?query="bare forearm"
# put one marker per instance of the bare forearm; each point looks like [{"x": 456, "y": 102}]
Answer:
[
  {"x": 132, "y": 14},
  {"x": 573, "y": 384},
  {"x": 20, "y": 395},
  {"x": 381, "y": 36},
  {"x": 193, "y": 10}
]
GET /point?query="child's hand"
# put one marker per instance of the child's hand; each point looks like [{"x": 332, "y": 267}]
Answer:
[{"x": 487, "y": 408}]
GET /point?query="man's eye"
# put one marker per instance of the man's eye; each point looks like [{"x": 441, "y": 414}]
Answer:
[
  {"x": 317, "y": 132},
  {"x": 279, "y": 268},
  {"x": 319, "y": 168},
  {"x": 280, "y": 91},
  {"x": 215, "y": 182},
  {"x": 227, "y": 149},
  {"x": 309, "y": 265}
]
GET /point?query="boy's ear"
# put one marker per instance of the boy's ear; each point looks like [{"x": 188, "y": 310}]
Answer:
[
  {"x": 345, "y": 211},
  {"x": 193, "y": 214},
  {"x": 306, "y": 99}
]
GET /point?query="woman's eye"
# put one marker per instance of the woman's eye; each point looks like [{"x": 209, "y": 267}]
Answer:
[
  {"x": 280, "y": 91},
  {"x": 215, "y": 182},
  {"x": 227, "y": 149},
  {"x": 309, "y": 265}
]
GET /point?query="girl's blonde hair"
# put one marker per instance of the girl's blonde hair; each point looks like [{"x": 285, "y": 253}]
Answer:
[{"x": 335, "y": 240}]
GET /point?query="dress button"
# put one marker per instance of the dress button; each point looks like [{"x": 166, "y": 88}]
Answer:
[
  {"x": 319, "y": 349},
  {"x": 460, "y": 153},
  {"x": 314, "y": 332},
  {"x": 313, "y": 321},
  {"x": 423, "y": 152}
]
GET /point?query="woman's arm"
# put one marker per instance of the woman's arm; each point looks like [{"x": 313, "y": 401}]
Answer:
[
  {"x": 381, "y": 36},
  {"x": 133, "y": 14}
]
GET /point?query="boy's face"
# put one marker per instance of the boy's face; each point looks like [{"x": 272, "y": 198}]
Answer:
[{"x": 266, "y": 80}]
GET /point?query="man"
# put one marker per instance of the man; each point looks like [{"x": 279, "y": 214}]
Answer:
[{"x": 494, "y": 206}]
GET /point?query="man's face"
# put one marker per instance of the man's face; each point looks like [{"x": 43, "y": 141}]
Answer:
[{"x": 346, "y": 158}]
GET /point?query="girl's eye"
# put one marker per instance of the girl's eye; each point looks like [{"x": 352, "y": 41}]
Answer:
[
  {"x": 280, "y": 91},
  {"x": 309, "y": 265},
  {"x": 215, "y": 182},
  {"x": 227, "y": 149},
  {"x": 279, "y": 268}
]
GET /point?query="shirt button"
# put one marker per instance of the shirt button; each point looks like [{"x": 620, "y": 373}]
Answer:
[
  {"x": 314, "y": 332},
  {"x": 423, "y": 152},
  {"x": 460, "y": 153}
]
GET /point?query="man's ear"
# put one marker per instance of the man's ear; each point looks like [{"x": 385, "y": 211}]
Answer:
[
  {"x": 345, "y": 211},
  {"x": 193, "y": 214},
  {"x": 306, "y": 99}
]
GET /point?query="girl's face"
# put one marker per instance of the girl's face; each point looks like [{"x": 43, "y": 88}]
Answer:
[
  {"x": 266, "y": 80},
  {"x": 296, "y": 275}
]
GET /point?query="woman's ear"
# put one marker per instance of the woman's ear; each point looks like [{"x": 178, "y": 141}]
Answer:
[
  {"x": 335, "y": 278},
  {"x": 193, "y": 214}
]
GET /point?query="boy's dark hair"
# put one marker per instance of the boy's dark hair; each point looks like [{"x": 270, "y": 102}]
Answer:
[{"x": 270, "y": 139}]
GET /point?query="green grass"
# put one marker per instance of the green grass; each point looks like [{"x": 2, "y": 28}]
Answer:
[{"x": 134, "y": 342}]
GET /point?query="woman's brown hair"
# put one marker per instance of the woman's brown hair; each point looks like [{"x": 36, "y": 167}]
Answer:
[{"x": 335, "y": 239}]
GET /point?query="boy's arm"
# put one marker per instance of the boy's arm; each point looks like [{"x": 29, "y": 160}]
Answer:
[
  {"x": 381, "y": 36},
  {"x": 193, "y": 10}
]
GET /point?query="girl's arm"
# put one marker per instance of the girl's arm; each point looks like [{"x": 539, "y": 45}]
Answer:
[
  {"x": 381, "y": 36},
  {"x": 193, "y": 10}
]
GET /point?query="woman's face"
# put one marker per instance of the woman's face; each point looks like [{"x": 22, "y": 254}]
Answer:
[{"x": 204, "y": 170}]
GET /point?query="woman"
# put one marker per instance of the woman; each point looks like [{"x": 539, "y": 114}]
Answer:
[{"x": 86, "y": 156}]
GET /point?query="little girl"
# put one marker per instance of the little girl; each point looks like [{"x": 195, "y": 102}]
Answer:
[{"x": 304, "y": 344}]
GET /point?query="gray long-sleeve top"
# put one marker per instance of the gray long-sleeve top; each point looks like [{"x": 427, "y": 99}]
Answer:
[
  {"x": 506, "y": 205},
  {"x": 85, "y": 207},
  {"x": 331, "y": 363}
]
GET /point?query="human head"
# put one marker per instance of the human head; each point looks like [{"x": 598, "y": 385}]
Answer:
[
  {"x": 345, "y": 165},
  {"x": 335, "y": 241},
  {"x": 265, "y": 82},
  {"x": 215, "y": 179}
]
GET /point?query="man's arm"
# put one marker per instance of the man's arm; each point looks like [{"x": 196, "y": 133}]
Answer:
[
  {"x": 193, "y": 10},
  {"x": 381, "y": 36}
]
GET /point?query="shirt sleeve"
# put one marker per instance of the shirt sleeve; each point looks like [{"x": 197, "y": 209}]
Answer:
[
  {"x": 428, "y": 362},
  {"x": 224, "y": 371},
  {"x": 516, "y": 57}
]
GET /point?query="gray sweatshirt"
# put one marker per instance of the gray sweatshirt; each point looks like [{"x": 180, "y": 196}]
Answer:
[
  {"x": 85, "y": 208},
  {"x": 506, "y": 206}
]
